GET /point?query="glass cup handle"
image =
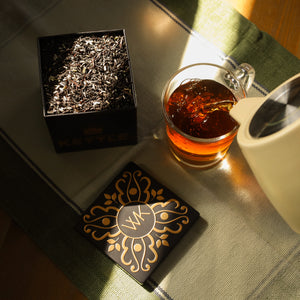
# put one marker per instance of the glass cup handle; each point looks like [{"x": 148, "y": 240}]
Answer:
[{"x": 245, "y": 74}]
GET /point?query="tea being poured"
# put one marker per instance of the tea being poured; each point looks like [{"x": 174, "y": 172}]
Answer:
[
  {"x": 200, "y": 108},
  {"x": 196, "y": 104}
]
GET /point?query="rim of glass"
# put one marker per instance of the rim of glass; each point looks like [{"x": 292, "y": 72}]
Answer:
[{"x": 186, "y": 135}]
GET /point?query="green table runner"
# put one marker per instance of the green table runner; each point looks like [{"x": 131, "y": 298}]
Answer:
[
  {"x": 48, "y": 212},
  {"x": 238, "y": 38}
]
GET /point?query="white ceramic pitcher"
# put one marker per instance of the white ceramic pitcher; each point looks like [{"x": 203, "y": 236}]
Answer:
[{"x": 269, "y": 137}]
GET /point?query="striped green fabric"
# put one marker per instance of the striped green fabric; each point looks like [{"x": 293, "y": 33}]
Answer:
[
  {"x": 32, "y": 203},
  {"x": 238, "y": 38}
]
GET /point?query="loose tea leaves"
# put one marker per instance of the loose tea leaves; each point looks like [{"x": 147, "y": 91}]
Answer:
[{"x": 92, "y": 74}]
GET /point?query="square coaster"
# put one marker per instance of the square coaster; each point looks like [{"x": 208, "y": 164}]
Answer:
[{"x": 136, "y": 221}]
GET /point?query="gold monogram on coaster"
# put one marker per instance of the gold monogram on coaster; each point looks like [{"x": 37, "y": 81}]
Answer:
[{"x": 136, "y": 221}]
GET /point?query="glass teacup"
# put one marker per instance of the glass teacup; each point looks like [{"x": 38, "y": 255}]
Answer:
[{"x": 196, "y": 104}]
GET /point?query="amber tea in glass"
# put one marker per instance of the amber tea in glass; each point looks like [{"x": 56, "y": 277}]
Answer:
[{"x": 196, "y": 109}]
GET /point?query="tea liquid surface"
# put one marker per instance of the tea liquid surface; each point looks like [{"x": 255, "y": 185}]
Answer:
[{"x": 200, "y": 108}]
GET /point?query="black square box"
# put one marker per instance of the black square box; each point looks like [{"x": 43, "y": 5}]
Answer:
[
  {"x": 136, "y": 221},
  {"x": 88, "y": 93}
]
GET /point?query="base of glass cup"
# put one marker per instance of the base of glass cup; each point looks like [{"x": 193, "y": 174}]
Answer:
[{"x": 200, "y": 162}]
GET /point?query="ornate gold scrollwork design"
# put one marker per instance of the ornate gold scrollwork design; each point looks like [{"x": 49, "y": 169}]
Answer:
[{"x": 136, "y": 220}]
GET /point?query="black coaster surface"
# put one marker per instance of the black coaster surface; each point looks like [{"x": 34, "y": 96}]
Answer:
[{"x": 136, "y": 221}]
